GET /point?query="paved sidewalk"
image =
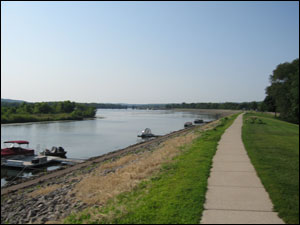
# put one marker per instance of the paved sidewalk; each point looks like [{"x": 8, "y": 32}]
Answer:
[{"x": 235, "y": 193}]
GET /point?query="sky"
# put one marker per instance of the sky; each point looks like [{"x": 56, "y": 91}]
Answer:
[{"x": 144, "y": 52}]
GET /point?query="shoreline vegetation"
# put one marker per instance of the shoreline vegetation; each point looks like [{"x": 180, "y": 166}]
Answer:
[{"x": 41, "y": 112}]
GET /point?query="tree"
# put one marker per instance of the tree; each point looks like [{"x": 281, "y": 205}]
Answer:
[
  {"x": 253, "y": 105},
  {"x": 69, "y": 106},
  {"x": 268, "y": 104},
  {"x": 284, "y": 90},
  {"x": 42, "y": 107}
]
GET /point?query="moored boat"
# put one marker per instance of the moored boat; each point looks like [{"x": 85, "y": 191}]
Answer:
[
  {"x": 188, "y": 124},
  {"x": 198, "y": 121},
  {"x": 147, "y": 134},
  {"x": 16, "y": 149},
  {"x": 55, "y": 151}
]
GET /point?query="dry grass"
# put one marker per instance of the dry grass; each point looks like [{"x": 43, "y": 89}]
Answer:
[
  {"x": 54, "y": 222},
  {"x": 128, "y": 171},
  {"x": 45, "y": 190}
]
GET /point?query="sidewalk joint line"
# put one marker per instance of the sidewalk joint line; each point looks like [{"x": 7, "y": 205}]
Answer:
[
  {"x": 241, "y": 210},
  {"x": 233, "y": 171},
  {"x": 230, "y": 186}
]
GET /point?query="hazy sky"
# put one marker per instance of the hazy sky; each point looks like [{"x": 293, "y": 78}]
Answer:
[{"x": 144, "y": 52}]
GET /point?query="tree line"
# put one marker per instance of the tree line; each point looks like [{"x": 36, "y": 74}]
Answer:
[
  {"x": 210, "y": 105},
  {"x": 107, "y": 105},
  {"x": 45, "y": 111}
]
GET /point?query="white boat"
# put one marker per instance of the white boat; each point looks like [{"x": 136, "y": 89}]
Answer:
[{"x": 147, "y": 134}]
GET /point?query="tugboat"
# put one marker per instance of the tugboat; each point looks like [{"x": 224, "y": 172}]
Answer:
[{"x": 16, "y": 149}]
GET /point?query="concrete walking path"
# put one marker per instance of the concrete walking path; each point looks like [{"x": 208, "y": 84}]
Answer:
[{"x": 235, "y": 193}]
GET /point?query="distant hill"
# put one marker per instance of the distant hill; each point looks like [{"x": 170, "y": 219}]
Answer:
[{"x": 11, "y": 100}]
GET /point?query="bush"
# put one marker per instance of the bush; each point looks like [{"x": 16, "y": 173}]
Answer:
[{"x": 254, "y": 120}]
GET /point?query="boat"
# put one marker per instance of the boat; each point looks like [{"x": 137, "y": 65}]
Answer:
[
  {"x": 15, "y": 149},
  {"x": 55, "y": 151},
  {"x": 188, "y": 124},
  {"x": 198, "y": 121},
  {"x": 147, "y": 134}
]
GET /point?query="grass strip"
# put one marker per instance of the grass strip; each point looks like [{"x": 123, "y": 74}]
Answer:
[
  {"x": 273, "y": 147},
  {"x": 175, "y": 195}
]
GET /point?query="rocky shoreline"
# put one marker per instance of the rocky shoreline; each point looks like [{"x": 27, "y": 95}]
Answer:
[
  {"x": 21, "y": 206},
  {"x": 18, "y": 208}
]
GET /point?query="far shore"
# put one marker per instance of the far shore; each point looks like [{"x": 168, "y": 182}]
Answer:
[{"x": 221, "y": 112}]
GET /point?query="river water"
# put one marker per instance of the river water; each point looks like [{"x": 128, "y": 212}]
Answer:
[{"x": 112, "y": 129}]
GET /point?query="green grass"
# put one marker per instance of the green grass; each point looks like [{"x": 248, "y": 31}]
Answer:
[
  {"x": 175, "y": 195},
  {"x": 273, "y": 147}
]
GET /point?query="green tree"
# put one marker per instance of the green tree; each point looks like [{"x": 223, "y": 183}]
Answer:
[
  {"x": 253, "y": 105},
  {"x": 69, "y": 106},
  {"x": 284, "y": 89},
  {"x": 42, "y": 107},
  {"x": 268, "y": 104}
]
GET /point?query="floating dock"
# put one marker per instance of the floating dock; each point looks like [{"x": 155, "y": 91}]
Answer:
[
  {"x": 65, "y": 160},
  {"x": 37, "y": 161}
]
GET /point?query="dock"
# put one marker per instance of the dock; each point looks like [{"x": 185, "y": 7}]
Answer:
[
  {"x": 28, "y": 162},
  {"x": 65, "y": 160}
]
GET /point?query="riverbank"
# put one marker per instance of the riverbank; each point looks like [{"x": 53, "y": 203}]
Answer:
[{"x": 52, "y": 199}]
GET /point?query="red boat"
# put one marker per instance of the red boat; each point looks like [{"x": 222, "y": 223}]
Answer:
[{"x": 15, "y": 149}]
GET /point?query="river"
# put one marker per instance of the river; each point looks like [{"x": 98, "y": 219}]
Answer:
[{"x": 111, "y": 130}]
